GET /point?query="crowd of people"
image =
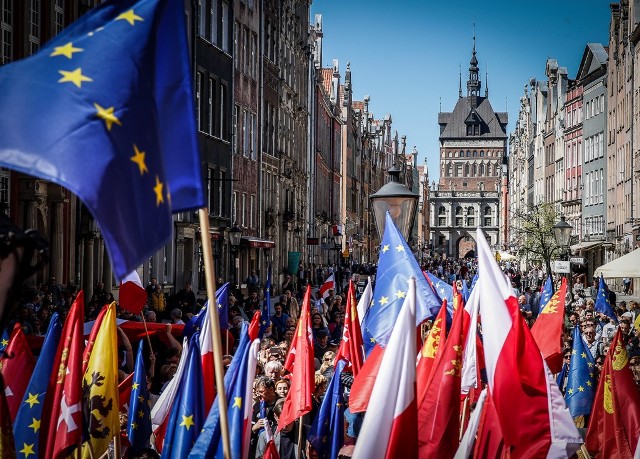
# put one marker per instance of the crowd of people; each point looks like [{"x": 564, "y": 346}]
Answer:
[{"x": 327, "y": 317}]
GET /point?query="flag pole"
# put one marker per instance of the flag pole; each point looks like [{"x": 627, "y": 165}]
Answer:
[
  {"x": 147, "y": 332},
  {"x": 300, "y": 436},
  {"x": 215, "y": 328}
]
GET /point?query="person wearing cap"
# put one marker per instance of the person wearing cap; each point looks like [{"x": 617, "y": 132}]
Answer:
[{"x": 321, "y": 344}]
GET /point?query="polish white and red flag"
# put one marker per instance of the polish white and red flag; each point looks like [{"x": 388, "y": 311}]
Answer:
[
  {"x": 389, "y": 429},
  {"x": 533, "y": 416},
  {"x": 329, "y": 284},
  {"x": 133, "y": 296}
]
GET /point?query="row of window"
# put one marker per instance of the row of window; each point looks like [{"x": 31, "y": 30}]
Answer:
[
  {"x": 211, "y": 105},
  {"x": 244, "y": 209},
  {"x": 246, "y": 124},
  {"x": 472, "y": 154},
  {"x": 460, "y": 221},
  {"x": 594, "y": 187},
  {"x": 471, "y": 170},
  {"x": 245, "y": 50},
  {"x": 470, "y": 210},
  {"x": 594, "y": 225},
  {"x": 214, "y": 23},
  {"x": 594, "y": 147},
  {"x": 594, "y": 107}
]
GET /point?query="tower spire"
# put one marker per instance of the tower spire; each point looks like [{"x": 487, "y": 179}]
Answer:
[
  {"x": 486, "y": 82},
  {"x": 460, "y": 78},
  {"x": 473, "y": 83}
]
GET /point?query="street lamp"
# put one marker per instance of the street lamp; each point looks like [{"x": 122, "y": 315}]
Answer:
[
  {"x": 235, "y": 234},
  {"x": 562, "y": 232},
  {"x": 398, "y": 200}
]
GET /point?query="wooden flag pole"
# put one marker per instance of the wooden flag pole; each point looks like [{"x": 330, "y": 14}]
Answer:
[
  {"x": 215, "y": 328},
  {"x": 300, "y": 436},
  {"x": 147, "y": 333}
]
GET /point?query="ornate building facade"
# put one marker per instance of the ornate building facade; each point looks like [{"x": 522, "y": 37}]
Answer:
[{"x": 473, "y": 143}]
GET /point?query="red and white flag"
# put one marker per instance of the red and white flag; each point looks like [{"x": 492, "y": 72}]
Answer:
[
  {"x": 133, "y": 296},
  {"x": 519, "y": 381},
  {"x": 270, "y": 452},
  {"x": 351, "y": 349},
  {"x": 329, "y": 284},
  {"x": 16, "y": 367},
  {"x": 365, "y": 301},
  {"x": 206, "y": 356},
  {"x": 389, "y": 429}
]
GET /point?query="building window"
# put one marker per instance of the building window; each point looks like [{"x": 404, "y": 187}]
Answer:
[
  {"x": 58, "y": 16},
  {"x": 442, "y": 221},
  {"x": 236, "y": 139},
  {"x": 487, "y": 210},
  {"x": 252, "y": 207},
  {"x": 213, "y": 26},
  {"x": 243, "y": 211},
  {"x": 471, "y": 221},
  {"x": 226, "y": 26},
  {"x": 245, "y": 133},
  {"x": 458, "y": 221},
  {"x": 34, "y": 26},
  {"x": 211, "y": 120},
  {"x": 254, "y": 136},
  {"x": 224, "y": 135},
  {"x": 458, "y": 210},
  {"x": 487, "y": 221},
  {"x": 199, "y": 114},
  {"x": 245, "y": 50},
  {"x": 236, "y": 45},
  {"x": 6, "y": 29},
  {"x": 254, "y": 59},
  {"x": 442, "y": 210},
  {"x": 4, "y": 190}
]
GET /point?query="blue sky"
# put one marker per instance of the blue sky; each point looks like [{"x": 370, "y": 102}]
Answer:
[{"x": 405, "y": 54}]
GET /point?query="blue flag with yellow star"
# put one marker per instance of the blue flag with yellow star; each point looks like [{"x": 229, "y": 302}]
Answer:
[
  {"x": 207, "y": 443},
  {"x": 327, "y": 431},
  {"x": 187, "y": 413},
  {"x": 265, "y": 311},
  {"x": 139, "y": 418},
  {"x": 26, "y": 427},
  {"x": 602, "y": 301},
  {"x": 105, "y": 109},
  {"x": 396, "y": 264},
  {"x": 442, "y": 289},
  {"x": 222, "y": 300},
  {"x": 581, "y": 382},
  {"x": 547, "y": 293},
  {"x": 4, "y": 340}
]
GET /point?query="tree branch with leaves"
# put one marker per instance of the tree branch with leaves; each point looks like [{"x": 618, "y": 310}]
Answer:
[{"x": 533, "y": 232}]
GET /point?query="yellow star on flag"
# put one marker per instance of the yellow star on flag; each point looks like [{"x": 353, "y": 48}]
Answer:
[
  {"x": 400, "y": 248},
  {"x": 372, "y": 339},
  {"x": 75, "y": 76},
  {"x": 385, "y": 248},
  {"x": 187, "y": 421},
  {"x": 5, "y": 342},
  {"x": 35, "y": 425},
  {"x": 158, "y": 190},
  {"x": 581, "y": 389},
  {"x": 384, "y": 300},
  {"x": 401, "y": 294},
  {"x": 141, "y": 398},
  {"x": 589, "y": 383},
  {"x": 32, "y": 399},
  {"x": 570, "y": 391},
  {"x": 27, "y": 449},
  {"x": 130, "y": 17},
  {"x": 574, "y": 352},
  {"x": 134, "y": 426},
  {"x": 66, "y": 50},
  {"x": 141, "y": 414},
  {"x": 583, "y": 355},
  {"x": 134, "y": 386},
  {"x": 237, "y": 402},
  {"x": 138, "y": 158},
  {"x": 107, "y": 115}
]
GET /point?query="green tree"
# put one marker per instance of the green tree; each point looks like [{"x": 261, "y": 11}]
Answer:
[{"x": 533, "y": 231}]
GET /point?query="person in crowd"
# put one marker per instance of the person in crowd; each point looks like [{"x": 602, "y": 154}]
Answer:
[{"x": 186, "y": 299}]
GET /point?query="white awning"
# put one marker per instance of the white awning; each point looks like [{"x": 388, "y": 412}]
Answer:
[
  {"x": 585, "y": 245},
  {"x": 626, "y": 266}
]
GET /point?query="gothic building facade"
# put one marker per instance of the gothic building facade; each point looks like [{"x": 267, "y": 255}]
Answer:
[{"x": 473, "y": 144}]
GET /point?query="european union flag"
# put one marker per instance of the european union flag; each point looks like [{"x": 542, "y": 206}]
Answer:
[
  {"x": 442, "y": 289},
  {"x": 26, "y": 428},
  {"x": 4, "y": 340},
  {"x": 105, "y": 109},
  {"x": 208, "y": 442},
  {"x": 187, "y": 413},
  {"x": 466, "y": 292},
  {"x": 547, "y": 293},
  {"x": 265, "y": 311},
  {"x": 602, "y": 301},
  {"x": 139, "y": 419},
  {"x": 194, "y": 325},
  {"x": 396, "y": 265},
  {"x": 581, "y": 383},
  {"x": 327, "y": 431}
]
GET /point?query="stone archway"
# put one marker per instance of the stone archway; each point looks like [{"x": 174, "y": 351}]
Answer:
[{"x": 466, "y": 246}]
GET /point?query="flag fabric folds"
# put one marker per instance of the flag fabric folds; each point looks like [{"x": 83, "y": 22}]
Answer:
[
  {"x": 187, "y": 413},
  {"x": 548, "y": 328},
  {"x": 105, "y": 109},
  {"x": 329, "y": 284},
  {"x": 442, "y": 289},
  {"x": 389, "y": 428},
  {"x": 139, "y": 418},
  {"x": 351, "y": 349},
  {"x": 602, "y": 301},
  {"x": 614, "y": 427},
  {"x": 365, "y": 301},
  {"x": 7, "y": 444},
  {"x": 265, "y": 310},
  {"x": 327, "y": 430},
  {"x": 439, "y": 408},
  {"x": 300, "y": 363},
  {"x": 4, "y": 340},
  {"x": 517, "y": 375},
  {"x": 428, "y": 354},
  {"x": 133, "y": 296},
  {"x": 271, "y": 452},
  {"x": 396, "y": 266},
  {"x": 194, "y": 325},
  {"x": 100, "y": 388},
  {"x": 26, "y": 428},
  {"x": 16, "y": 368},
  {"x": 61, "y": 424},
  {"x": 581, "y": 381},
  {"x": 547, "y": 293}
]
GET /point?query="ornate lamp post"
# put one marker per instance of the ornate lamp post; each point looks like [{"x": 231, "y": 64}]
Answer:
[
  {"x": 562, "y": 233},
  {"x": 398, "y": 200}
]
